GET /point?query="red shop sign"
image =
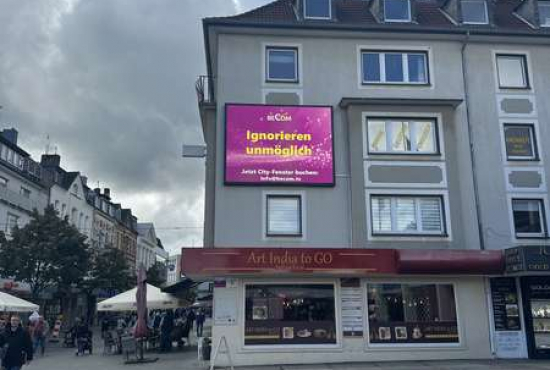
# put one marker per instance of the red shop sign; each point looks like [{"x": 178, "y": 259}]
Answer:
[{"x": 240, "y": 261}]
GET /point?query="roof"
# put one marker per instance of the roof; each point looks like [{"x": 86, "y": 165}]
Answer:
[
  {"x": 358, "y": 14},
  {"x": 68, "y": 179},
  {"x": 13, "y": 146}
]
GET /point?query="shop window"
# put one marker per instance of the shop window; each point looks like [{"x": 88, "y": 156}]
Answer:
[
  {"x": 282, "y": 64},
  {"x": 520, "y": 142},
  {"x": 529, "y": 218},
  {"x": 395, "y": 67},
  {"x": 512, "y": 72},
  {"x": 397, "y": 10},
  {"x": 290, "y": 314},
  {"x": 404, "y": 215},
  {"x": 317, "y": 9},
  {"x": 412, "y": 313},
  {"x": 402, "y": 136},
  {"x": 474, "y": 12},
  {"x": 284, "y": 215},
  {"x": 544, "y": 13}
]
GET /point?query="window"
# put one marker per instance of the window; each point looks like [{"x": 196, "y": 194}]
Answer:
[
  {"x": 520, "y": 142},
  {"x": 11, "y": 222},
  {"x": 512, "y": 72},
  {"x": 25, "y": 192},
  {"x": 394, "y": 67},
  {"x": 284, "y": 215},
  {"x": 63, "y": 210},
  {"x": 3, "y": 182},
  {"x": 528, "y": 218},
  {"x": 412, "y": 313},
  {"x": 397, "y": 10},
  {"x": 404, "y": 215},
  {"x": 317, "y": 9},
  {"x": 290, "y": 314},
  {"x": 474, "y": 12},
  {"x": 402, "y": 136},
  {"x": 544, "y": 13},
  {"x": 282, "y": 64}
]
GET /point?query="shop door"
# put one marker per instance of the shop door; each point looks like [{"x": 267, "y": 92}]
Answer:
[{"x": 536, "y": 300}]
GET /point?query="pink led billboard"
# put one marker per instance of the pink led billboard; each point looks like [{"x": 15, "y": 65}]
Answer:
[{"x": 278, "y": 145}]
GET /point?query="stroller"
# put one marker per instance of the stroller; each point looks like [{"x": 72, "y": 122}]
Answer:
[{"x": 85, "y": 344}]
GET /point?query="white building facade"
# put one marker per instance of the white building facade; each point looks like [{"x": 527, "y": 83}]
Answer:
[{"x": 148, "y": 250}]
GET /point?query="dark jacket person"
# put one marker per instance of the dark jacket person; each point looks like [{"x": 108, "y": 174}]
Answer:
[{"x": 19, "y": 344}]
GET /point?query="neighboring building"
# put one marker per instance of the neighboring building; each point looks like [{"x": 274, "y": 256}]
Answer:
[
  {"x": 20, "y": 188},
  {"x": 68, "y": 193},
  {"x": 149, "y": 249},
  {"x": 367, "y": 163},
  {"x": 173, "y": 265}
]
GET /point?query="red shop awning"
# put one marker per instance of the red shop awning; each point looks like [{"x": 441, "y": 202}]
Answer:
[{"x": 461, "y": 262}]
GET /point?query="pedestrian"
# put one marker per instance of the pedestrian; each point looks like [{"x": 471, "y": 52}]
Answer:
[
  {"x": 190, "y": 318},
  {"x": 39, "y": 335},
  {"x": 166, "y": 327},
  {"x": 82, "y": 335},
  {"x": 200, "y": 322},
  {"x": 17, "y": 344}
]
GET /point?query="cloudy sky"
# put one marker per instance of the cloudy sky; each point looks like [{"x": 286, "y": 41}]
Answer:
[{"x": 111, "y": 83}]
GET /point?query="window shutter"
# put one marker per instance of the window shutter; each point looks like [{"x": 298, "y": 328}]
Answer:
[{"x": 430, "y": 212}]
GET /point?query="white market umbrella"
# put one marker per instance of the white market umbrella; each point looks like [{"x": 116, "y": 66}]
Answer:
[
  {"x": 156, "y": 300},
  {"x": 9, "y": 303}
]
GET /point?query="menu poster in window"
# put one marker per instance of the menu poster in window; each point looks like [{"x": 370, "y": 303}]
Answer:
[
  {"x": 225, "y": 306},
  {"x": 352, "y": 307},
  {"x": 505, "y": 304},
  {"x": 414, "y": 332}
]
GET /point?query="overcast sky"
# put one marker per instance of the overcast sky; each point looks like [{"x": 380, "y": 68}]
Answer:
[{"x": 111, "y": 83}]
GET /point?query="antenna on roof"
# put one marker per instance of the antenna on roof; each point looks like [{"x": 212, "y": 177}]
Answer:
[
  {"x": 47, "y": 144},
  {"x": 55, "y": 149}
]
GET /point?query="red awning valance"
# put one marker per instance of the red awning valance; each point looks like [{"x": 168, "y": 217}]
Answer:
[{"x": 422, "y": 261}]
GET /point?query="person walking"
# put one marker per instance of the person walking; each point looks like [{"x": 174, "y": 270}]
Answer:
[
  {"x": 166, "y": 327},
  {"x": 18, "y": 345},
  {"x": 200, "y": 322},
  {"x": 190, "y": 318},
  {"x": 39, "y": 335},
  {"x": 82, "y": 335}
]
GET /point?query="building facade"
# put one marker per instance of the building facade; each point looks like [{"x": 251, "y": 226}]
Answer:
[
  {"x": 149, "y": 251},
  {"x": 173, "y": 265},
  {"x": 368, "y": 163}
]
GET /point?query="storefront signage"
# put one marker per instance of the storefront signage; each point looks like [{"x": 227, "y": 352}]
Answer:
[
  {"x": 288, "y": 145},
  {"x": 505, "y": 299},
  {"x": 528, "y": 258},
  {"x": 518, "y": 141},
  {"x": 351, "y": 294},
  {"x": 411, "y": 332},
  {"x": 227, "y": 261}
]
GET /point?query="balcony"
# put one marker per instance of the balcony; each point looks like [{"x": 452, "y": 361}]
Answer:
[
  {"x": 205, "y": 90},
  {"x": 17, "y": 200}
]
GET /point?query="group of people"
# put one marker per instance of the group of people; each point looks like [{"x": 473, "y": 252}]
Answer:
[
  {"x": 16, "y": 346},
  {"x": 176, "y": 326}
]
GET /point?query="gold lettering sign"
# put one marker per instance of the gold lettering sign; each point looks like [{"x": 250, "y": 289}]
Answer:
[{"x": 288, "y": 259}]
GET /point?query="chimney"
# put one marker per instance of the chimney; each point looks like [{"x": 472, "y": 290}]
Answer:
[
  {"x": 97, "y": 191},
  {"x": 10, "y": 134},
  {"x": 107, "y": 193},
  {"x": 84, "y": 180},
  {"x": 50, "y": 160}
]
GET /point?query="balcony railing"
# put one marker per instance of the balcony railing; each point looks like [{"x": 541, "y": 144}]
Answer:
[
  {"x": 205, "y": 89},
  {"x": 18, "y": 200}
]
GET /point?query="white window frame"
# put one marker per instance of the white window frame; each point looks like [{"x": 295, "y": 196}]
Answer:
[
  {"x": 293, "y": 49},
  {"x": 476, "y": 1},
  {"x": 545, "y": 4},
  {"x": 543, "y": 204},
  {"x": 329, "y": 11},
  {"x": 303, "y": 209},
  {"x": 534, "y": 143},
  {"x": 408, "y": 20},
  {"x": 9, "y": 227},
  {"x": 412, "y": 132},
  {"x": 525, "y": 71},
  {"x": 428, "y": 346},
  {"x": 405, "y": 63},
  {"x": 418, "y": 215},
  {"x": 298, "y": 348},
  {"x": 269, "y": 234}
]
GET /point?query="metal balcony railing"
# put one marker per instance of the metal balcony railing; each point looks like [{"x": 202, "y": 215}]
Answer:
[{"x": 205, "y": 89}]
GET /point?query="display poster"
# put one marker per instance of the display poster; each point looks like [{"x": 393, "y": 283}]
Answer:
[
  {"x": 225, "y": 306},
  {"x": 352, "y": 307},
  {"x": 414, "y": 332},
  {"x": 288, "y": 145},
  {"x": 505, "y": 299},
  {"x": 518, "y": 141}
]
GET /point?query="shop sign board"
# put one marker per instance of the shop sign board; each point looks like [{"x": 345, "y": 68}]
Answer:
[
  {"x": 528, "y": 259},
  {"x": 239, "y": 261},
  {"x": 518, "y": 141},
  {"x": 351, "y": 294},
  {"x": 505, "y": 299},
  {"x": 279, "y": 145}
]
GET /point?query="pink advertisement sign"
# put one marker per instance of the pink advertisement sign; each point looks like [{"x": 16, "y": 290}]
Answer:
[{"x": 279, "y": 145}]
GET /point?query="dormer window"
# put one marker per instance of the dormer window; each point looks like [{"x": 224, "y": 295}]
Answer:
[
  {"x": 397, "y": 10},
  {"x": 474, "y": 12},
  {"x": 317, "y": 9},
  {"x": 544, "y": 13}
]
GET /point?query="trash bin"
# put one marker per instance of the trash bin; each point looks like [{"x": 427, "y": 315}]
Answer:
[{"x": 206, "y": 349}]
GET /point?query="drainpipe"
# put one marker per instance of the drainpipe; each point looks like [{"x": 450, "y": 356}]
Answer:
[{"x": 471, "y": 141}]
